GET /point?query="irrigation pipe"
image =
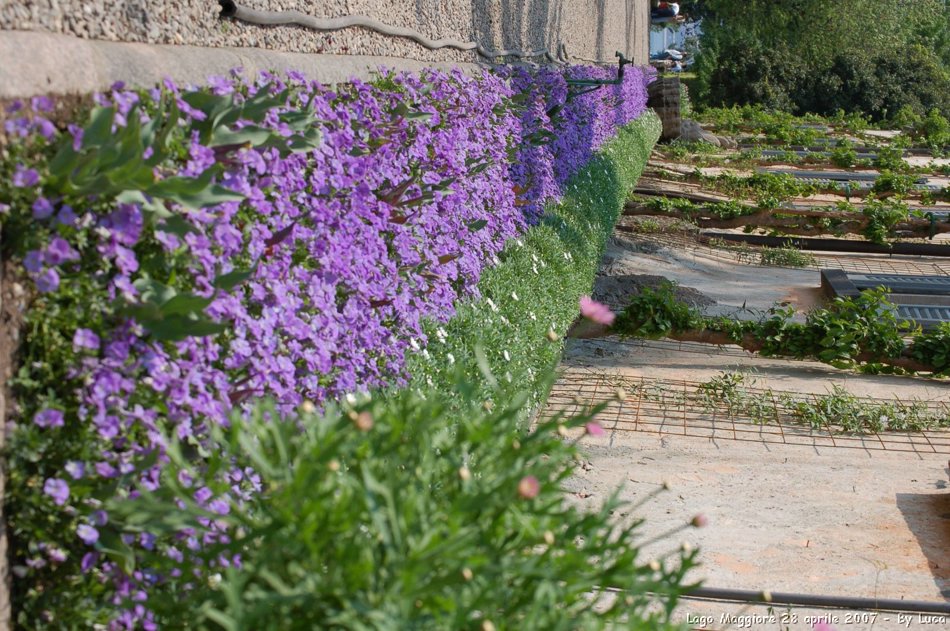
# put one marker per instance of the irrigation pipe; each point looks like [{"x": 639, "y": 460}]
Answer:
[
  {"x": 810, "y": 600},
  {"x": 821, "y": 601},
  {"x": 231, "y": 9}
]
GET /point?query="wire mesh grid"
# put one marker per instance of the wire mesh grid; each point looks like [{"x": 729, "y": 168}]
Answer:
[
  {"x": 749, "y": 255},
  {"x": 616, "y": 345},
  {"x": 700, "y": 410}
]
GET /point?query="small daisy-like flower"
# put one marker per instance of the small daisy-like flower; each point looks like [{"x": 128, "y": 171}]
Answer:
[{"x": 529, "y": 487}]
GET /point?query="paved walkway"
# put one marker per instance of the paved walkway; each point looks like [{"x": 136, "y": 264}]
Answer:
[{"x": 789, "y": 509}]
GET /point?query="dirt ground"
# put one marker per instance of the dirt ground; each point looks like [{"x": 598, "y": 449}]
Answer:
[{"x": 788, "y": 510}]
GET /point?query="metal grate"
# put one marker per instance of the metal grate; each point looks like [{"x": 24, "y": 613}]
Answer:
[
  {"x": 903, "y": 284},
  {"x": 671, "y": 407},
  {"x": 924, "y": 314}
]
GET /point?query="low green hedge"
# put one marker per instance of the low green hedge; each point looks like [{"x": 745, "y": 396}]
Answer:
[{"x": 531, "y": 297}]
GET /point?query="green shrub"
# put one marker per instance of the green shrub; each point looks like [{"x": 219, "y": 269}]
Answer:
[
  {"x": 654, "y": 313},
  {"x": 889, "y": 182},
  {"x": 398, "y": 514},
  {"x": 844, "y": 155}
]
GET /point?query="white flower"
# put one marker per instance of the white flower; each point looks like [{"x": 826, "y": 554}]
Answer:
[
  {"x": 534, "y": 257},
  {"x": 532, "y": 316},
  {"x": 506, "y": 356},
  {"x": 425, "y": 353},
  {"x": 441, "y": 334},
  {"x": 534, "y": 268},
  {"x": 520, "y": 244},
  {"x": 450, "y": 358},
  {"x": 491, "y": 304},
  {"x": 515, "y": 296},
  {"x": 414, "y": 344}
]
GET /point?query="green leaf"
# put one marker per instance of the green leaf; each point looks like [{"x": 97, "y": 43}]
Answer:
[
  {"x": 194, "y": 193},
  {"x": 152, "y": 291},
  {"x": 250, "y": 135},
  {"x": 227, "y": 282},
  {"x": 185, "y": 304},
  {"x": 99, "y": 129},
  {"x": 475, "y": 226},
  {"x": 177, "y": 327},
  {"x": 177, "y": 225}
]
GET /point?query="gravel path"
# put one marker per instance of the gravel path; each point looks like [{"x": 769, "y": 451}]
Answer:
[{"x": 591, "y": 29}]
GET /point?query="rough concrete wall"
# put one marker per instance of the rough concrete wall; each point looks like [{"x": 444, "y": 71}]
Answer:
[{"x": 591, "y": 29}]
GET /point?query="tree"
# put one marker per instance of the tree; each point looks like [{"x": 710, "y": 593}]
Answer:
[{"x": 871, "y": 56}]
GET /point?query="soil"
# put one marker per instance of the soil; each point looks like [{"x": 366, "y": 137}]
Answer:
[{"x": 619, "y": 289}]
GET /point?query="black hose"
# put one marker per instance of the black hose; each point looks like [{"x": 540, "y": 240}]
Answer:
[{"x": 824, "y": 602}]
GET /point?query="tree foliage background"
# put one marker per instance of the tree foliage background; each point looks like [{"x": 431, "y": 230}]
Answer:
[{"x": 868, "y": 56}]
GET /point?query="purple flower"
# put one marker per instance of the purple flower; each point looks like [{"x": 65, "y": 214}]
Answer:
[
  {"x": 75, "y": 468},
  {"x": 33, "y": 261},
  {"x": 88, "y": 534},
  {"x": 41, "y": 103},
  {"x": 49, "y": 417},
  {"x": 89, "y": 561},
  {"x": 220, "y": 507},
  {"x": 106, "y": 470},
  {"x": 66, "y": 216},
  {"x": 59, "y": 251},
  {"x": 24, "y": 177},
  {"x": 596, "y": 312},
  {"x": 84, "y": 338},
  {"x": 202, "y": 495},
  {"x": 56, "y": 555},
  {"x": 57, "y": 489},
  {"x": 47, "y": 281},
  {"x": 42, "y": 208}
]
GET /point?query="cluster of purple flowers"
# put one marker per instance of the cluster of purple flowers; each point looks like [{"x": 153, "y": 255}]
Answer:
[{"x": 350, "y": 245}]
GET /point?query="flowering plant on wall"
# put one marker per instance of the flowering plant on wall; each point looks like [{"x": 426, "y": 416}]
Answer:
[{"x": 194, "y": 249}]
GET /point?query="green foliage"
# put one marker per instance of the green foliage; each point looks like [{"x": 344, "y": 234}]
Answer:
[
  {"x": 906, "y": 118},
  {"x": 933, "y": 347},
  {"x": 935, "y": 129},
  {"x": 655, "y": 313},
  {"x": 768, "y": 189},
  {"x": 844, "y": 155},
  {"x": 838, "y": 334},
  {"x": 849, "y": 331},
  {"x": 891, "y": 158},
  {"x": 871, "y": 57},
  {"x": 841, "y": 409},
  {"x": 533, "y": 292},
  {"x": 882, "y": 216},
  {"x": 400, "y": 514},
  {"x": 889, "y": 182},
  {"x": 836, "y": 412},
  {"x": 786, "y": 256}
]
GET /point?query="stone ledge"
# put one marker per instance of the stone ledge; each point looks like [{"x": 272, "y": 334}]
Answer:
[{"x": 47, "y": 63}]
